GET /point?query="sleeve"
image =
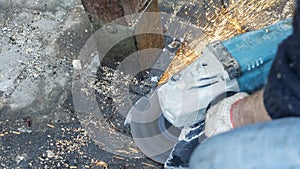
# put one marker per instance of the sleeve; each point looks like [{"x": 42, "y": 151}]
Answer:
[{"x": 282, "y": 92}]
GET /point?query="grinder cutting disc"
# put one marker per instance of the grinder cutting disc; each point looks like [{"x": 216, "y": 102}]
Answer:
[{"x": 154, "y": 135}]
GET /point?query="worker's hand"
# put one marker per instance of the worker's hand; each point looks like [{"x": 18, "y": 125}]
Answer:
[{"x": 219, "y": 116}]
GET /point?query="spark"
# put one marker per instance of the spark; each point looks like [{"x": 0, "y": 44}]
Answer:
[{"x": 239, "y": 17}]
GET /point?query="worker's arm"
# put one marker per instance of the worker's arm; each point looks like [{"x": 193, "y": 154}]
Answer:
[
  {"x": 235, "y": 111},
  {"x": 250, "y": 110},
  {"x": 280, "y": 97},
  {"x": 282, "y": 92}
]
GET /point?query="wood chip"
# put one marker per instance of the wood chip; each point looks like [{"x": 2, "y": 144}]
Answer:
[
  {"x": 118, "y": 157},
  {"x": 41, "y": 159},
  {"x": 123, "y": 151},
  {"x": 61, "y": 142},
  {"x": 134, "y": 150},
  {"x": 15, "y": 132},
  {"x": 50, "y": 125},
  {"x": 101, "y": 164},
  {"x": 149, "y": 165},
  {"x": 73, "y": 167}
]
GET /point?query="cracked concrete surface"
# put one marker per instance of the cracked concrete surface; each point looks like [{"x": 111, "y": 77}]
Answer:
[{"x": 35, "y": 53}]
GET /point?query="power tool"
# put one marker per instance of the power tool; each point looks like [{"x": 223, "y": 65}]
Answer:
[{"x": 169, "y": 124}]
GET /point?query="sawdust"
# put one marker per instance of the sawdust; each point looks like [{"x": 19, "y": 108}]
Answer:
[
  {"x": 149, "y": 165},
  {"x": 50, "y": 126},
  {"x": 224, "y": 23}
]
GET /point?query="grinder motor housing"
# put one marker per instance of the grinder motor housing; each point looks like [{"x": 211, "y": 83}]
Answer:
[{"x": 241, "y": 63}]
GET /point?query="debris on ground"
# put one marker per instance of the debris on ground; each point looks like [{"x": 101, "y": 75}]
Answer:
[{"x": 39, "y": 46}]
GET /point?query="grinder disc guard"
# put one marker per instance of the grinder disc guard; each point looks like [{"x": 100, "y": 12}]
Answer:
[{"x": 154, "y": 135}]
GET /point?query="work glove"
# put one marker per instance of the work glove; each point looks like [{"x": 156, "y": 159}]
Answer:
[{"x": 219, "y": 116}]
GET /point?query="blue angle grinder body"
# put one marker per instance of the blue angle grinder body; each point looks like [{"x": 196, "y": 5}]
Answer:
[{"x": 169, "y": 124}]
